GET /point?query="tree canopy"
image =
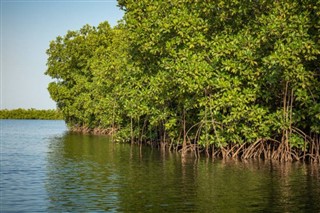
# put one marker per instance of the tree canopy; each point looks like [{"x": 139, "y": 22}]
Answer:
[{"x": 239, "y": 77}]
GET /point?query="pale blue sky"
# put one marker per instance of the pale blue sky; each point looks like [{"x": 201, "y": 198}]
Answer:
[{"x": 27, "y": 27}]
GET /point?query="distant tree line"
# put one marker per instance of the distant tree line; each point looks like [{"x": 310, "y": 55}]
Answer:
[
  {"x": 49, "y": 114},
  {"x": 236, "y": 78}
]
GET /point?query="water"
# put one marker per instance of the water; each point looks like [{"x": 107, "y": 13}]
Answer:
[{"x": 46, "y": 169}]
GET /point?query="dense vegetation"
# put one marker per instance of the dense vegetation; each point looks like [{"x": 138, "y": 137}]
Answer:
[
  {"x": 232, "y": 78},
  {"x": 48, "y": 114}
]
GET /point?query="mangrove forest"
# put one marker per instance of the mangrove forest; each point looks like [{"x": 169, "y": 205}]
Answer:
[
  {"x": 230, "y": 79},
  {"x": 39, "y": 114}
]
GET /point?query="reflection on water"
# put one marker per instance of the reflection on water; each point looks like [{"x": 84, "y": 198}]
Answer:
[
  {"x": 262, "y": 186},
  {"x": 90, "y": 173},
  {"x": 80, "y": 176}
]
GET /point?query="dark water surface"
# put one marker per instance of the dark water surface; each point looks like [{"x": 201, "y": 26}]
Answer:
[{"x": 46, "y": 169}]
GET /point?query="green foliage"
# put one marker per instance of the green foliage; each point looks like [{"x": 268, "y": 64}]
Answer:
[
  {"x": 201, "y": 72},
  {"x": 49, "y": 114},
  {"x": 298, "y": 142}
]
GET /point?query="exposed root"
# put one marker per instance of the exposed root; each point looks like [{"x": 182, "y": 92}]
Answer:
[
  {"x": 269, "y": 149},
  {"x": 96, "y": 131},
  {"x": 261, "y": 149}
]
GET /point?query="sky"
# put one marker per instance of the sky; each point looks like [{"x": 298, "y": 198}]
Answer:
[{"x": 27, "y": 27}]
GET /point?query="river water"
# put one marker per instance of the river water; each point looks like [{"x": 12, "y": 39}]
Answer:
[{"x": 46, "y": 169}]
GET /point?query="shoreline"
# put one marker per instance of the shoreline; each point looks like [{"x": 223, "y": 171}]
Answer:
[{"x": 262, "y": 149}]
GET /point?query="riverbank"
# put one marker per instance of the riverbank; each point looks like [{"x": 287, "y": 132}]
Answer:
[{"x": 266, "y": 149}]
